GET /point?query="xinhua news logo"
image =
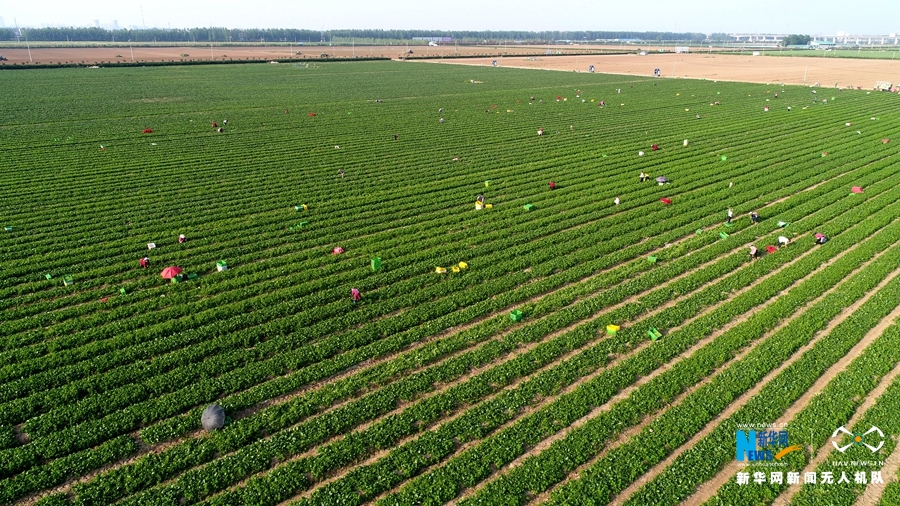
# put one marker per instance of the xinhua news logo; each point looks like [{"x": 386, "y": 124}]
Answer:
[{"x": 755, "y": 446}]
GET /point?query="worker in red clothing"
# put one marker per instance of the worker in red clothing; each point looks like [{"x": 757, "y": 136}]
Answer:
[
  {"x": 552, "y": 185},
  {"x": 355, "y": 295},
  {"x": 181, "y": 239},
  {"x": 145, "y": 262}
]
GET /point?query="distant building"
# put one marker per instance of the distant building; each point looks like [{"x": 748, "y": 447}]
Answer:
[
  {"x": 435, "y": 39},
  {"x": 823, "y": 41}
]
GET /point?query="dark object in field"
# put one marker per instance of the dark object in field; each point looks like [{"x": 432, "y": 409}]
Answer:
[{"x": 213, "y": 418}]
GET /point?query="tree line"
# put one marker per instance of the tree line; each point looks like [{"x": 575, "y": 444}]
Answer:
[
  {"x": 796, "y": 40},
  {"x": 220, "y": 34}
]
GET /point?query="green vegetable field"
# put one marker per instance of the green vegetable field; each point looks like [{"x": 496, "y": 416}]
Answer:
[{"x": 495, "y": 382}]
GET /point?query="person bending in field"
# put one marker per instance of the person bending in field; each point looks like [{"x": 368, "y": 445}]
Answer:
[
  {"x": 754, "y": 253},
  {"x": 754, "y": 217},
  {"x": 730, "y": 215},
  {"x": 643, "y": 177},
  {"x": 341, "y": 172},
  {"x": 355, "y": 295}
]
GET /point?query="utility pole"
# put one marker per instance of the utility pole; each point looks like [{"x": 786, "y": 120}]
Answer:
[{"x": 30, "y": 60}]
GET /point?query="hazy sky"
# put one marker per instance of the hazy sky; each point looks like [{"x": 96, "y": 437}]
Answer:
[{"x": 825, "y": 17}]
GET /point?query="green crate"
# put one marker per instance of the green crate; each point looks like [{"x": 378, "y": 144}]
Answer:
[
  {"x": 8, "y": 229},
  {"x": 651, "y": 259},
  {"x": 654, "y": 334},
  {"x": 528, "y": 207},
  {"x": 192, "y": 275},
  {"x": 487, "y": 184},
  {"x": 516, "y": 315},
  {"x": 48, "y": 276},
  {"x": 723, "y": 235},
  {"x": 376, "y": 264},
  {"x": 68, "y": 280},
  {"x": 122, "y": 291},
  {"x": 699, "y": 231},
  {"x": 221, "y": 265}
]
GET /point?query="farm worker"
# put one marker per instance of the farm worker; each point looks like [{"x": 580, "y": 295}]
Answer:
[
  {"x": 766, "y": 108},
  {"x": 552, "y": 185},
  {"x": 285, "y": 111},
  {"x": 441, "y": 120},
  {"x": 753, "y": 252},
  {"x": 145, "y": 262},
  {"x": 396, "y": 136},
  {"x": 776, "y": 94},
  {"x": 220, "y": 130},
  {"x": 215, "y": 125},
  {"x": 616, "y": 201},
  {"x": 730, "y": 214},
  {"x": 480, "y": 198},
  {"x": 532, "y": 98},
  {"x": 754, "y": 217},
  {"x": 789, "y": 108},
  {"x": 643, "y": 177},
  {"x": 698, "y": 116},
  {"x": 540, "y": 131},
  {"x": 783, "y": 240},
  {"x": 224, "y": 121},
  {"x": 730, "y": 184},
  {"x": 821, "y": 239},
  {"x": 181, "y": 239},
  {"x": 441, "y": 109},
  {"x": 341, "y": 172},
  {"x": 619, "y": 91},
  {"x": 355, "y": 295}
]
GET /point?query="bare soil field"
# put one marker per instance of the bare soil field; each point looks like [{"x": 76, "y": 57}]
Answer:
[
  {"x": 167, "y": 53},
  {"x": 788, "y": 70}
]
